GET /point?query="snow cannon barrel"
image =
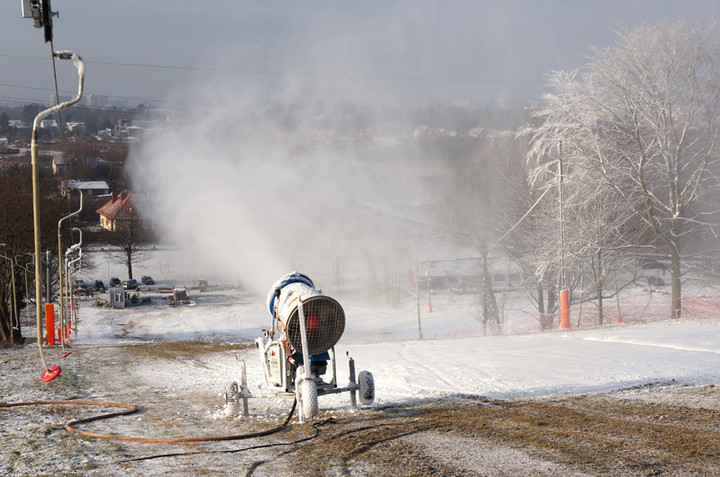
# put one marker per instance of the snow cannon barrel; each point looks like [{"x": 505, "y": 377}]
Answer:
[{"x": 324, "y": 317}]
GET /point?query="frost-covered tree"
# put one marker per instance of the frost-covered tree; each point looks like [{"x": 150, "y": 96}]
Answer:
[
  {"x": 472, "y": 213},
  {"x": 487, "y": 206},
  {"x": 600, "y": 239},
  {"x": 643, "y": 117}
]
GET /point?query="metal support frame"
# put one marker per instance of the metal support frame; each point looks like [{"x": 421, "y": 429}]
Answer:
[
  {"x": 60, "y": 265},
  {"x": 36, "y": 194}
]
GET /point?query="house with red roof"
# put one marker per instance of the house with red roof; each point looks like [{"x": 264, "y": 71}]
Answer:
[{"x": 121, "y": 207}]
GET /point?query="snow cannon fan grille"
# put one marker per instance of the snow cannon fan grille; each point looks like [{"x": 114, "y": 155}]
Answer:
[{"x": 324, "y": 324}]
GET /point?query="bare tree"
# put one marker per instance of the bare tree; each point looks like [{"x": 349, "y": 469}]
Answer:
[
  {"x": 532, "y": 242},
  {"x": 600, "y": 237},
  {"x": 469, "y": 215},
  {"x": 486, "y": 204},
  {"x": 644, "y": 117},
  {"x": 129, "y": 238},
  {"x": 16, "y": 232}
]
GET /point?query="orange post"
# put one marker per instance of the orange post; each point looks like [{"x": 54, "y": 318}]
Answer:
[
  {"x": 564, "y": 309},
  {"x": 50, "y": 324},
  {"x": 619, "y": 319}
]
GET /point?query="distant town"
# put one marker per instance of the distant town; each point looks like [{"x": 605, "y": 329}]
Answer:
[{"x": 85, "y": 149}]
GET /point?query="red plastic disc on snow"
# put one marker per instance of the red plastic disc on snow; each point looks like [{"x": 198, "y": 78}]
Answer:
[{"x": 49, "y": 374}]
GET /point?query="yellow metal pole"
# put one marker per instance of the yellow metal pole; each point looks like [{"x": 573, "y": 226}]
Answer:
[
  {"x": 80, "y": 65},
  {"x": 36, "y": 235}
]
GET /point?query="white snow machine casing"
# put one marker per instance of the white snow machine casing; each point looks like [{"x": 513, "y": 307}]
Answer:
[{"x": 309, "y": 325}]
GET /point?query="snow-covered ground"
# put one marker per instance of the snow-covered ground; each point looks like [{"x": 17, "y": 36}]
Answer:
[
  {"x": 180, "y": 385},
  {"x": 454, "y": 357}
]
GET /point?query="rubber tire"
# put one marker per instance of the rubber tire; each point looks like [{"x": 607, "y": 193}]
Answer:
[
  {"x": 366, "y": 388},
  {"x": 309, "y": 397}
]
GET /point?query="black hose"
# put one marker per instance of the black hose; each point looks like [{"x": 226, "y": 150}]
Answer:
[{"x": 70, "y": 426}]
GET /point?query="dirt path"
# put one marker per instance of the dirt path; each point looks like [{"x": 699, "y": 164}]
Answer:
[{"x": 656, "y": 429}]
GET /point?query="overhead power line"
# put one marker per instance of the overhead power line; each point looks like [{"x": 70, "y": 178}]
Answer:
[
  {"x": 49, "y": 90},
  {"x": 304, "y": 74}
]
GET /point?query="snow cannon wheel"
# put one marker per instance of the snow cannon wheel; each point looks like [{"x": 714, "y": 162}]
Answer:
[
  {"x": 366, "y": 387},
  {"x": 306, "y": 392}
]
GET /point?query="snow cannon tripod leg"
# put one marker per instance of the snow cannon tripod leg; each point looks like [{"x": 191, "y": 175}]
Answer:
[
  {"x": 244, "y": 391},
  {"x": 353, "y": 385}
]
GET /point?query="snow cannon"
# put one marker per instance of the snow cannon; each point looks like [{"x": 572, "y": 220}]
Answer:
[
  {"x": 324, "y": 317},
  {"x": 309, "y": 325}
]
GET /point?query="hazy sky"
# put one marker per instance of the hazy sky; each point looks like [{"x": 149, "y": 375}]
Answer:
[{"x": 371, "y": 50}]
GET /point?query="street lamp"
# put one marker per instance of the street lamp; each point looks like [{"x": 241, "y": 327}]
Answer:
[{"x": 48, "y": 374}]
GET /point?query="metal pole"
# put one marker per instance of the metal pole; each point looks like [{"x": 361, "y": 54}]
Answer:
[
  {"x": 60, "y": 265},
  {"x": 562, "y": 219},
  {"x": 564, "y": 295},
  {"x": 14, "y": 302},
  {"x": 244, "y": 389},
  {"x": 306, "y": 358},
  {"x": 27, "y": 296},
  {"x": 303, "y": 338},
  {"x": 35, "y": 189},
  {"x": 427, "y": 280},
  {"x": 72, "y": 312},
  {"x": 68, "y": 286},
  {"x": 61, "y": 284},
  {"x": 36, "y": 227},
  {"x": 417, "y": 293},
  {"x": 48, "y": 288}
]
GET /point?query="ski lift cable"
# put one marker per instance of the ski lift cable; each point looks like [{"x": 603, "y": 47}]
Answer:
[
  {"x": 60, "y": 124},
  {"x": 521, "y": 218}
]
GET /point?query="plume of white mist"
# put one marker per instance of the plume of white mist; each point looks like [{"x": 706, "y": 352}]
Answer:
[{"x": 241, "y": 190}]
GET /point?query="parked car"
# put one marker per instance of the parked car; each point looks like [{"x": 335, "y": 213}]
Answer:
[
  {"x": 130, "y": 284},
  {"x": 147, "y": 280},
  {"x": 99, "y": 286},
  {"x": 84, "y": 290},
  {"x": 115, "y": 282}
]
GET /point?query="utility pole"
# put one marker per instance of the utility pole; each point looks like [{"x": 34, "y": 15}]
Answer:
[
  {"x": 48, "y": 267},
  {"x": 564, "y": 295},
  {"x": 417, "y": 292}
]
